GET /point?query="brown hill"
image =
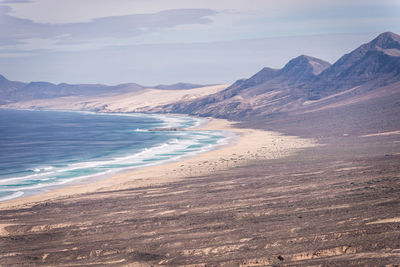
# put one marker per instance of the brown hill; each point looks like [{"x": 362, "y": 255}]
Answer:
[
  {"x": 302, "y": 82},
  {"x": 376, "y": 62},
  {"x": 266, "y": 92}
]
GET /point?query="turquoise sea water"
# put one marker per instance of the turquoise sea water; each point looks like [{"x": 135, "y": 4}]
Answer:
[{"x": 40, "y": 150}]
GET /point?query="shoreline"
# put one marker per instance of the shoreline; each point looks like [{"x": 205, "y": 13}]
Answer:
[
  {"x": 249, "y": 145},
  {"x": 167, "y": 121}
]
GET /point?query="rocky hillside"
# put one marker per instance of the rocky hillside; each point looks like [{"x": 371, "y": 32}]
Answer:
[
  {"x": 377, "y": 61},
  {"x": 303, "y": 83}
]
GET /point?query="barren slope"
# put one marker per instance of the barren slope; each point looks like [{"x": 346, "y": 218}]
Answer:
[
  {"x": 303, "y": 80},
  {"x": 138, "y": 101}
]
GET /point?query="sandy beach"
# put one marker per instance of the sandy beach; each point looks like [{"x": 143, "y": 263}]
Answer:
[
  {"x": 200, "y": 133},
  {"x": 264, "y": 199},
  {"x": 247, "y": 146}
]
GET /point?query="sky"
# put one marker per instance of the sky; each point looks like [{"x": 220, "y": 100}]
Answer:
[{"x": 167, "y": 41}]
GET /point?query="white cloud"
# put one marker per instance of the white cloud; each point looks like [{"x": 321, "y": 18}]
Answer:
[
  {"x": 24, "y": 34},
  {"x": 152, "y": 38},
  {"x": 122, "y": 22},
  {"x": 70, "y": 11}
]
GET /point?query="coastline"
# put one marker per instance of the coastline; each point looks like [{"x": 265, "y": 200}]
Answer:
[
  {"x": 249, "y": 145},
  {"x": 186, "y": 143}
]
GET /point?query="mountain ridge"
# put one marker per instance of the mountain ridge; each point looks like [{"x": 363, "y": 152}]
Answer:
[
  {"x": 364, "y": 64},
  {"x": 304, "y": 83},
  {"x": 11, "y": 91},
  {"x": 301, "y": 80},
  {"x": 179, "y": 86}
]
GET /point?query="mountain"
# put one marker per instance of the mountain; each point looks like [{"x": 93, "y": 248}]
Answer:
[
  {"x": 7, "y": 88},
  {"x": 11, "y": 91},
  {"x": 41, "y": 90},
  {"x": 179, "y": 86},
  {"x": 16, "y": 91},
  {"x": 370, "y": 61},
  {"x": 300, "y": 69},
  {"x": 259, "y": 94},
  {"x": 303, "y": 69},
  {"x": 303, "y": 83},
  {"x": 377, "y": 61}
]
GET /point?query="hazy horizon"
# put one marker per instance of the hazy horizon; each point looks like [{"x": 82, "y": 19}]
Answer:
[{"x": 164, "y": 42}]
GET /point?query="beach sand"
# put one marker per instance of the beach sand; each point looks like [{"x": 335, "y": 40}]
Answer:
[
  {"x": 260, "y": 200},
  {"x": 249, "y": 145}
]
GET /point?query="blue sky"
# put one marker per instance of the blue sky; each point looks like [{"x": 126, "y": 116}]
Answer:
[{"x": 167, "y": 41}]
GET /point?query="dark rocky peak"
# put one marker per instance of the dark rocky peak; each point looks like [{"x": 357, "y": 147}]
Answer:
[
  {"x": 299, "y": 70},
  {"x": 386, "y": 40},
  {"x": 386, "y": 43},
  {"x": 303, "y": 68}
]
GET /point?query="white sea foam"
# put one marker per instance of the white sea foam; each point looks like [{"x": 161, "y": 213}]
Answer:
[
  {"x": 43, "y": 169},
  {"x": 59, "y": 182},
  {"x": 172, "y": 146},
  {"x": 13, "y": 195},
  {"x": 37, "y": 175},
  {"x": 141, "y": 130},
  {"x": 175, "y": 148}
]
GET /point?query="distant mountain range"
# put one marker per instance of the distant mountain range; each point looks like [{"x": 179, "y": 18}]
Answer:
[
  {"x": 179, "y": 86},
  {"x": 304, "y": 84},
  {"x": 17, "y": 91},
  {"x": 11, "y": 91}
]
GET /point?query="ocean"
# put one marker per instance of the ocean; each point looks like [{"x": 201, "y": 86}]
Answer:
[{"x": 42, "y": 150}]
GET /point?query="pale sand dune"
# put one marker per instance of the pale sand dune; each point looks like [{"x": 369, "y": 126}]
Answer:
[
  {"x": 139, "y": 101},
  {"x": 152, "y": 98},
  {"x": 251, "y": 145}
]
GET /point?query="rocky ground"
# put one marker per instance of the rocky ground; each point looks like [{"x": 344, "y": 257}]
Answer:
[
  {"x": 335, "y": 205},
  {"x": 332, "y": 205}
]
